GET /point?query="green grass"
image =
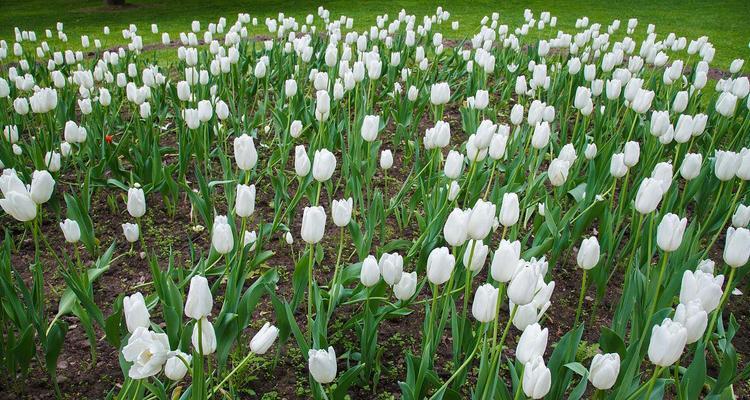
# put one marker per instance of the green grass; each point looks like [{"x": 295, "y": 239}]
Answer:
[{"x": 724, "y": 22}]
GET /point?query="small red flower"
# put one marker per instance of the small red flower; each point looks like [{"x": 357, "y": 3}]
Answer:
[{"x": 108, "y": 139}]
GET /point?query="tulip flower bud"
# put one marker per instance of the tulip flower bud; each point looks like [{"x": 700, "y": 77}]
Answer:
[
  {"x": 617, "y": 167},
  {"x": 516, "y": 114},
  {"x": 475, "y": 255},
  {"x": 737, "y": 247},
  {"x": 244, "y": 152},
  {"x": 73, "y": 133},
  {"x": 145, "y": 110},
  {"x": 199, "y": 301},
  {"x": 736, "y": 65},
  {"x": 322, "y": 365},
  {"x": 295, "y": 129},
  {"x": 659, "y": 123},
  {"x": 222, "y": 110},
  {"x": 244, "y": 204},
  {"x": 288, "y": 238},
  {"x": 386, "y": 159},
  {"x": 663, "y": 173},
  {"x": 558, "y": 172},
  {"x": 680, "y": 102},
  {"x": 249, "y": 238},
  {"x": 632, "y": 153},
  {"x": 482, "y": 99},
  {"x": 726, "y": 104},
  {"x": 453, "y": 190},
  {"x": 701, "y": 286},
  {"x": 440, "y": 265},
  {"x": 341, "y": 211},
  {"x": 290, "y": 87},
  {"x": 453, "y": 164},
  {"x": 741, "y": 217},
  {"x": 537, "y": 379},
  {"x": 480, "y": 220},
  {"x": 498, "y": 146},
  {"x": 370, "y": 127},
  {"x": 406, "y": 286},
  {"x": 649, "y": 195},
  {"x": 301, "y": 161},
  {"x": 455, "y": 229},
  {"x": 588, "y": 253},
  {"x": 604, "y": 370},
  {"x": 175, "y": 368},
  {"x": 70, "y": 230},
  {"x": 391, "y": 267},
  {"x": 485, "y": 303},
  {"x": 221, "y": 238},
  {"x": 206, "y": 112},
  {"x": 324, "y": 163},
  {"x": 136, "y": 202},
  {"x": 484, "y": 134},
  {"x": 413, "y": 93},
  {"x": 136, "y": 313},
  {"x": 313, "y": 224},
  {"x": 532, "y": 343},
  {"x": 369, "y": 273},
  {"x": 509, "y": 210},
  {"x": 642, "y": 101},
  {"x": 206, "y": 339},
  {"x": 523, "y": 285},
  {"x": 440, "y": 93},
  {"x": 727, "y": 164},
  {"x": 131, "y": 232},
  {"x": 691, "y": 166},
  {"x": 568, "y": 153},
  {"x": 42, "y": 186},
  {"x": 667, "y": 342},
  {"x": 263, "y": 340},
  {"x": 540, "y": 137},
  {"x": 590, "y": 151},
  {"x": 505, "y": 261},
  {"x": 670, "y": 231},
  {"x": 694, "y": 318}
]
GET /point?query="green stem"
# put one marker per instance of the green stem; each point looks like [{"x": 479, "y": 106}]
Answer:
[
  {"x": 655, "y": 299},
  {"x": 309, "y": 292},
  {"x": 331, "y": 302},
  {"x": 467, "y": 286},
  {"x": 580, "y": 297},
  {"x": 652, "y": 381},
  {"x": 496, "y": 322},
  {"x": 462, "y": 366},
  {"x": 727, "y": 290}
]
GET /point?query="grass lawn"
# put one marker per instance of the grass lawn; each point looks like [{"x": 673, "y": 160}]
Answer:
[{"x": 724, "y": 22}]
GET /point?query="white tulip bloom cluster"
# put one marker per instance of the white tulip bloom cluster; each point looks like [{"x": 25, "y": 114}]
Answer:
[{"x": 592, "y": 166}]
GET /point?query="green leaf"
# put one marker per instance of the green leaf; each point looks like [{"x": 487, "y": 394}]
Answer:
[
  {"x": 345, "y": 381},
  {"x": 610, "y": 342},
  {"x": 695, "y": 375},
  {"x": 55, "y": 339}
]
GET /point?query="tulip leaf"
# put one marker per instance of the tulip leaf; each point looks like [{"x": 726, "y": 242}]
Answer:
[
  {"x": 300, "y": 278},
  {"x": 564, "y": 354},
  {"x": 345, "y": 381},
  {"x": 53, "y": 346},
  {"x": 611, "y": 342},
  {"x": 695, "y": 375}
]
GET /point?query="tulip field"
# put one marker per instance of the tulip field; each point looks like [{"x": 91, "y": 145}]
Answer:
[{"x": 405, "y": 206}]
